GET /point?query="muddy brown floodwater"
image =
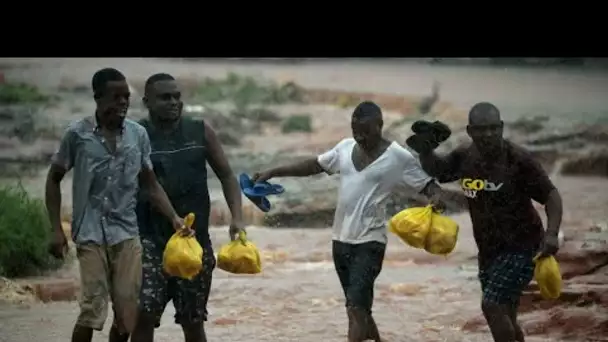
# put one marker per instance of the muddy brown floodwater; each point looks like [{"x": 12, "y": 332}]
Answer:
[
  {"x": 298, "y": 298},
  {"x": 419, "y": 297}
]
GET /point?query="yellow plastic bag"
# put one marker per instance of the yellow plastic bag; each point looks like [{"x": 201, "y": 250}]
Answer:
[
  {"x": 426, "y": 229},
  {"x": 412, "y": 225},
  {"x": 183, "y": 256},
  {"x": 442, "y": 236},
  {"x": 240, "y": 256},
  {"x": 548, "y": 277}
]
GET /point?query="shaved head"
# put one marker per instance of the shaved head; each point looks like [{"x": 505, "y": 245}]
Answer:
[
  {"x": 484, "y": 114},
  {"x": 485, "y": 129},
  {"x": 367, "y": 110},
  {"x": 366, "y": 124}
]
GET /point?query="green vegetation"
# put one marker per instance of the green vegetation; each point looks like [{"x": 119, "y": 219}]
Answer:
[
  {"x": 297, "y": 123},
  {"x": 21, "y": 93},
  {"x": 256, "y": 114},
  {"x": 238, "y": 105},
  {"x": 246, "y": 90},
  {"x": 24, "y": 234}
]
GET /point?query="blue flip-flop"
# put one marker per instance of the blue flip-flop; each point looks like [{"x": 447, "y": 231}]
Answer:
[
  {"x": 260, "y": 201},
  {"x": 263, "y": 189}
]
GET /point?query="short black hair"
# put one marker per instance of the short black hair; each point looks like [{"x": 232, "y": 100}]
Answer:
[
  {"x": 102, "y": 77},
  {"x": 484, "y": 112},
  {"x": 156, "y": 78},
  {"x": 367, "y": 109}
]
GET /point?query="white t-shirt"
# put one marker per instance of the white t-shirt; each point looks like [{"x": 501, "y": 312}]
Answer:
[{"x": 361, "y": 213}]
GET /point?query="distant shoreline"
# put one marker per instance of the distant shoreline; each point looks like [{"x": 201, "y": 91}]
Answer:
[{"x": 570, "y": 63}]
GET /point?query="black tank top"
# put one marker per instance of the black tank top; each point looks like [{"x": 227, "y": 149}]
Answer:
[{"x": 180, "y": 165}]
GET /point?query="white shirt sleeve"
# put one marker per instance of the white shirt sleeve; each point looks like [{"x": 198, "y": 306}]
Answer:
[
  {"x": 413, "y": 174},
  {"x": 330, "y": 160}
]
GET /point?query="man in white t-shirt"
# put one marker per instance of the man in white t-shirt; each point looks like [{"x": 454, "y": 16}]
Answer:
[{"x": 370, "y": 169}]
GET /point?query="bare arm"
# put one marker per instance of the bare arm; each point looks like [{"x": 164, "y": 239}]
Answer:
[
  {"x": 221, "y": 167},
  {"x": 307, "y": 167},
  {"x": 148, "y": 180},
  {"x": 538, "y": 185},
  {"x": 431, "y": 190},
  {"x": 444, "y": 169},
  {"x": 416, "y": 177},
  {"x": 62, "y": 162},
  {"x": 53, "y": 195},
  {"x": 157, "y": 194},
  {"x": 554, "y": 211},
  {"x": 328, "y": 162}
]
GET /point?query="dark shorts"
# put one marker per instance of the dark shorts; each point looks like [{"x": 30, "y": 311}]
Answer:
[
  {"x": 505, "y": 277},
  {"x": 157, "y": 289},
  {"x": 358, "y": 266}
]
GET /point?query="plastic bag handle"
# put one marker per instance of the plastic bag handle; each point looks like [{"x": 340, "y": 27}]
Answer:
[
  {"x": 243, "y": 237},
  {"x": 539, "y": 257},
  {"x": 433, "y": 209},
  {"x": 189, "y": 221}
]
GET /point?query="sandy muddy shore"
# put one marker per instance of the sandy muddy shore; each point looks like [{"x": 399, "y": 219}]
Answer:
[{"x": 547, "y": 88}]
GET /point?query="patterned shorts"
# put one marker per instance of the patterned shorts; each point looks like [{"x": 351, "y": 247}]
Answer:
[
  {"x": 189, "y": 296},
  {"x": 504, "y": 278},
  {"x": 358, "y": 266}
]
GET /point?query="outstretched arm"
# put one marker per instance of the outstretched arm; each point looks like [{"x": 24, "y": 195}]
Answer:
[
  {"x": 432, "y": 191},
  {"x": 307, "y": 167},
  {"x": 328, "y": 162},
  {"x": 444, "y": 169},
  {"x": 416, "y": 177}
]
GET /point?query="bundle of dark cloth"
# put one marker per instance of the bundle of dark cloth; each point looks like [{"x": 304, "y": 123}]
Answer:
[{"x": 427, "y": 135}]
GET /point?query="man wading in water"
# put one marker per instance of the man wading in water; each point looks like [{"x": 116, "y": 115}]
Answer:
[
  {"x": 500, "y": 180},
  {"x": 181, "y": 149},
  {"x": 370, "y": 168},
  {"x": 110, "y": 155}
]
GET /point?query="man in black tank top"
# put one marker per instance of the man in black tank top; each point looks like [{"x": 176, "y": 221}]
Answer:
[{"x": 181, "y": 149}]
